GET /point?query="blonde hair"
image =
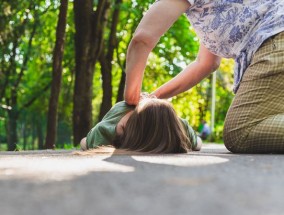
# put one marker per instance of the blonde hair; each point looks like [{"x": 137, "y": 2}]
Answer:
[{"x": 154, "y": 127}]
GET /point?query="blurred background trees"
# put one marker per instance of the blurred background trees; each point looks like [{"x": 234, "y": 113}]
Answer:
[{"x": 90, "y": 70}]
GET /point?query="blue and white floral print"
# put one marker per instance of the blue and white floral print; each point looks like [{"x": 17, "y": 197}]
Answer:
[{"x": 236, "y": 28}]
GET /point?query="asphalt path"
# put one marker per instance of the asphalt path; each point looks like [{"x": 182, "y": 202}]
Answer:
[{"x": 212, "y": 181}]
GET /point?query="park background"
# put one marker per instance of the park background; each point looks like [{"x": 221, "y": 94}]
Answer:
[{"x": 62, "y": 67}]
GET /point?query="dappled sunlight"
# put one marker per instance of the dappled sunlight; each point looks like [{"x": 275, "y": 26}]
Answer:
[
  {"x": 181, "y": 160},
  {"x": 50, "y": 168},
  {"x": 62, "y": 166},
  {"x": 56, "y": 168}
]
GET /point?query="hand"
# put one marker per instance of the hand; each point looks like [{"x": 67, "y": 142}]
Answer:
[
  {"x": 145, "y": 95},
  {"x": 83, "y": 144}
]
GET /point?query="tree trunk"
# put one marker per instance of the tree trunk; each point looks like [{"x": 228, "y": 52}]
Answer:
[
  {"x": 121, "y": 87},
  {"x": 33, "y": 136},
  {"x": 56, "y": 77},
  {"x": 106, "y": 63},
  {"x": 12, "y": 131},
  {"x": 82, "y": 109},
  {"x": 12, "y": 136},
  {"x": 24, "y": 136},
  {"x": 39, "y": 134},
  {"x": 88, "y": 43},
  {"x": 107, "y": 87}
]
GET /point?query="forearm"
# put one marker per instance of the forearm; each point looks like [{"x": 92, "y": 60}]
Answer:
[
  {"x": 137, "y": 56},
  {"x": 205, "y": 63},
  {"x": 185, "y": 80},
  {"x": 153, "y": 25}
]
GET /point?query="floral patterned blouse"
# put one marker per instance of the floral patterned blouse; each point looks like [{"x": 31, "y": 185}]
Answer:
[{"x": 236, "y": 28}]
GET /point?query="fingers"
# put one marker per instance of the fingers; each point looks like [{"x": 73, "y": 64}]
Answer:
[{"x": 146, "y": 95}]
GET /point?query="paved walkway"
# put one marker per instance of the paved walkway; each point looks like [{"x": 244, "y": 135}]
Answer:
[{"x": 212, "y": 181}]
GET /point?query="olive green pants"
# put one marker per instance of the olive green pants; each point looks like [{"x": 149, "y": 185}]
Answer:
[{"x": 255, "y": 120}]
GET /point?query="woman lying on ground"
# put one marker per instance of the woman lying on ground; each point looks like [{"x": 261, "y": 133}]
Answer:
[{"x": 152, "y": 126}]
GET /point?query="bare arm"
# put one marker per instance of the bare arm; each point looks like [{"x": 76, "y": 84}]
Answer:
[
  {"x": 153, "y": 25},
  {"x": 205, "y": 63}
]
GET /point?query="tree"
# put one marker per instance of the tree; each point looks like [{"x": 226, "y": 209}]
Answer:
[
  {"x": 106, "y": 58},
  {"x": 89, "y": 25},
  {"x": 56, "y": 76},
  {"x": 24, "y": 62},
  {"x": 15, "y": 71}
]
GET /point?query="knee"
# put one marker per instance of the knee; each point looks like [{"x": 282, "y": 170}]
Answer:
[
  {"x": 228, "y": 136},
  {"x": 235, "y": 146},
  {"x": 234, "y": 138},
  {"x": 229, "y": 141}
]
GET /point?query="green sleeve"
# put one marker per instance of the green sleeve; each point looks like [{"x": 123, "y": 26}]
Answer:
[
  {"x": 104, "y": 132},
  {"x": 190, "y": 133}
]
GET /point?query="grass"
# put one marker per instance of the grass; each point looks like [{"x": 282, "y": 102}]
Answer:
[
  {"x": 3, "y": 146},
  {"x": 19, "y": 147}
]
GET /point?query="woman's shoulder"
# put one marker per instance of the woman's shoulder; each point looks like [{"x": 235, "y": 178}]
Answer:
[
  {"x": 120, "y": 108},
  {"x": 123, "y": 105}
]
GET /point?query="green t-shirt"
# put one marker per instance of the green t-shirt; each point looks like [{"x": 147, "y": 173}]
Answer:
[{"x": 104, "y": 132}]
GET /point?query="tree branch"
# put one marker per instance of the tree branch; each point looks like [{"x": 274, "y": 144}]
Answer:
[
  {"x": 24, "y": 65},
  {"x": 35, "y": 97}
]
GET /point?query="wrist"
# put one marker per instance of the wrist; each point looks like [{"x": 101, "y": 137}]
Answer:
[
  {"x": 156, "y": 93},
  {"x": 132, "y": 99}
]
